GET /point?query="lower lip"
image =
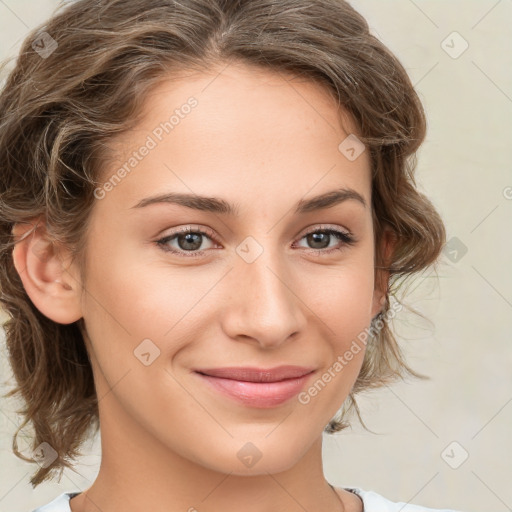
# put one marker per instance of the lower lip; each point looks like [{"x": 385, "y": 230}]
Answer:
[{"x": 258, "y": 394}]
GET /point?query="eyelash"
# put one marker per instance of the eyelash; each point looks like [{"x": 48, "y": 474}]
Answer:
[{"x": 345, "y": 237}]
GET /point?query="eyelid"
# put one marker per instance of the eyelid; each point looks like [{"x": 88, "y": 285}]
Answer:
[{"x": 324, "y": 227}]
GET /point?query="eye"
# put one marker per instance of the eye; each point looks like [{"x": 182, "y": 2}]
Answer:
[
  {"x": 189, "y": 240},
  {"x": 321, "y": 239}
]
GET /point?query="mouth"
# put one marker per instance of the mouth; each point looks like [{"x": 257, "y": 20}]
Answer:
[{"x": 257, "y": 387}]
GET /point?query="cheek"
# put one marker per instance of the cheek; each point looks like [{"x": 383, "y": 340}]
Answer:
[
  {"x": 139, "y": 314},
  {"x": 341, "y": 296},
  {"x": 345, "y": 318},
  {"x": 341, "y": 300},
  {"x": 127, "y": 318},
  {"x": 131, "y": 294}
]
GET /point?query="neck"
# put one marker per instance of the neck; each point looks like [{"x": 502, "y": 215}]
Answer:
[{"x": 139, "y": 473}]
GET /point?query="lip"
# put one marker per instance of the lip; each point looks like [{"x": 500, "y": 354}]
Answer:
[{"x": 257, "y": 387}]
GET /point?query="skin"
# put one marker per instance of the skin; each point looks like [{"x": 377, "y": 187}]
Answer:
[{"x": 169, "y": 442}]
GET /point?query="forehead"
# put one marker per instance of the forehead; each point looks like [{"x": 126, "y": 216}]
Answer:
[
  {"x": 249, "y": 128},
  {"x": 250, "y": 95}
]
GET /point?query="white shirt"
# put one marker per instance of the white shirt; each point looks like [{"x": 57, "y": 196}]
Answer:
[{"x": 372, "y": 502}]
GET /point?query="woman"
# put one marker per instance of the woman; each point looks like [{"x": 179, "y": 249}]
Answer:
[{"x": 207, "y": 206}]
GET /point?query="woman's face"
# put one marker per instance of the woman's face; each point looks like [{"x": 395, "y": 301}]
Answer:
[{"x": 256, "y": 283}]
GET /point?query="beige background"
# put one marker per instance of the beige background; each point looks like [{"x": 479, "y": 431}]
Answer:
[{"x": 464, "y": 166}]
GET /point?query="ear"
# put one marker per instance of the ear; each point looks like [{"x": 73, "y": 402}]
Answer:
[
  {"x": 386, "y": 248},
  {"x": 49, "y": 280}
]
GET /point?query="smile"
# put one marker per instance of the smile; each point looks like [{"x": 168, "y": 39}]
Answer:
[{"x": 256, "y": 387}]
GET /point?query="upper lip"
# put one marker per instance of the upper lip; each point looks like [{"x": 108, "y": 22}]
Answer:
[{"x": 250, "y": 374}]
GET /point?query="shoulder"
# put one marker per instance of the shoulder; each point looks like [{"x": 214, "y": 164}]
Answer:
[
  {"x": 374, "y": 502},
  {"x": 59, "y": 504}
]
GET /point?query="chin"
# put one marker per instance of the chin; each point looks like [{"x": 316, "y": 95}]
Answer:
[{"x": 258, "y": 457}]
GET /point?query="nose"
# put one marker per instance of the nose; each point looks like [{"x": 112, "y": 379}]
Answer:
[{"x": 263, "y": 306}]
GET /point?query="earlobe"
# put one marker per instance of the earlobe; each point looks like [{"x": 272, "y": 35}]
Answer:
[
  {"x": 53, "y": 288},
  {"x": 382, "y": 274},
  {"x": 379, "y": 301}
]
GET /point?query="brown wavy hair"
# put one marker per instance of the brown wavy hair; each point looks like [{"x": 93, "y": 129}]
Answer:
[{"x": 58, "y": 113}]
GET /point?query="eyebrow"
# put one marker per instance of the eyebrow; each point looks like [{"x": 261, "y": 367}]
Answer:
[{"x": 220, "y": 206}]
